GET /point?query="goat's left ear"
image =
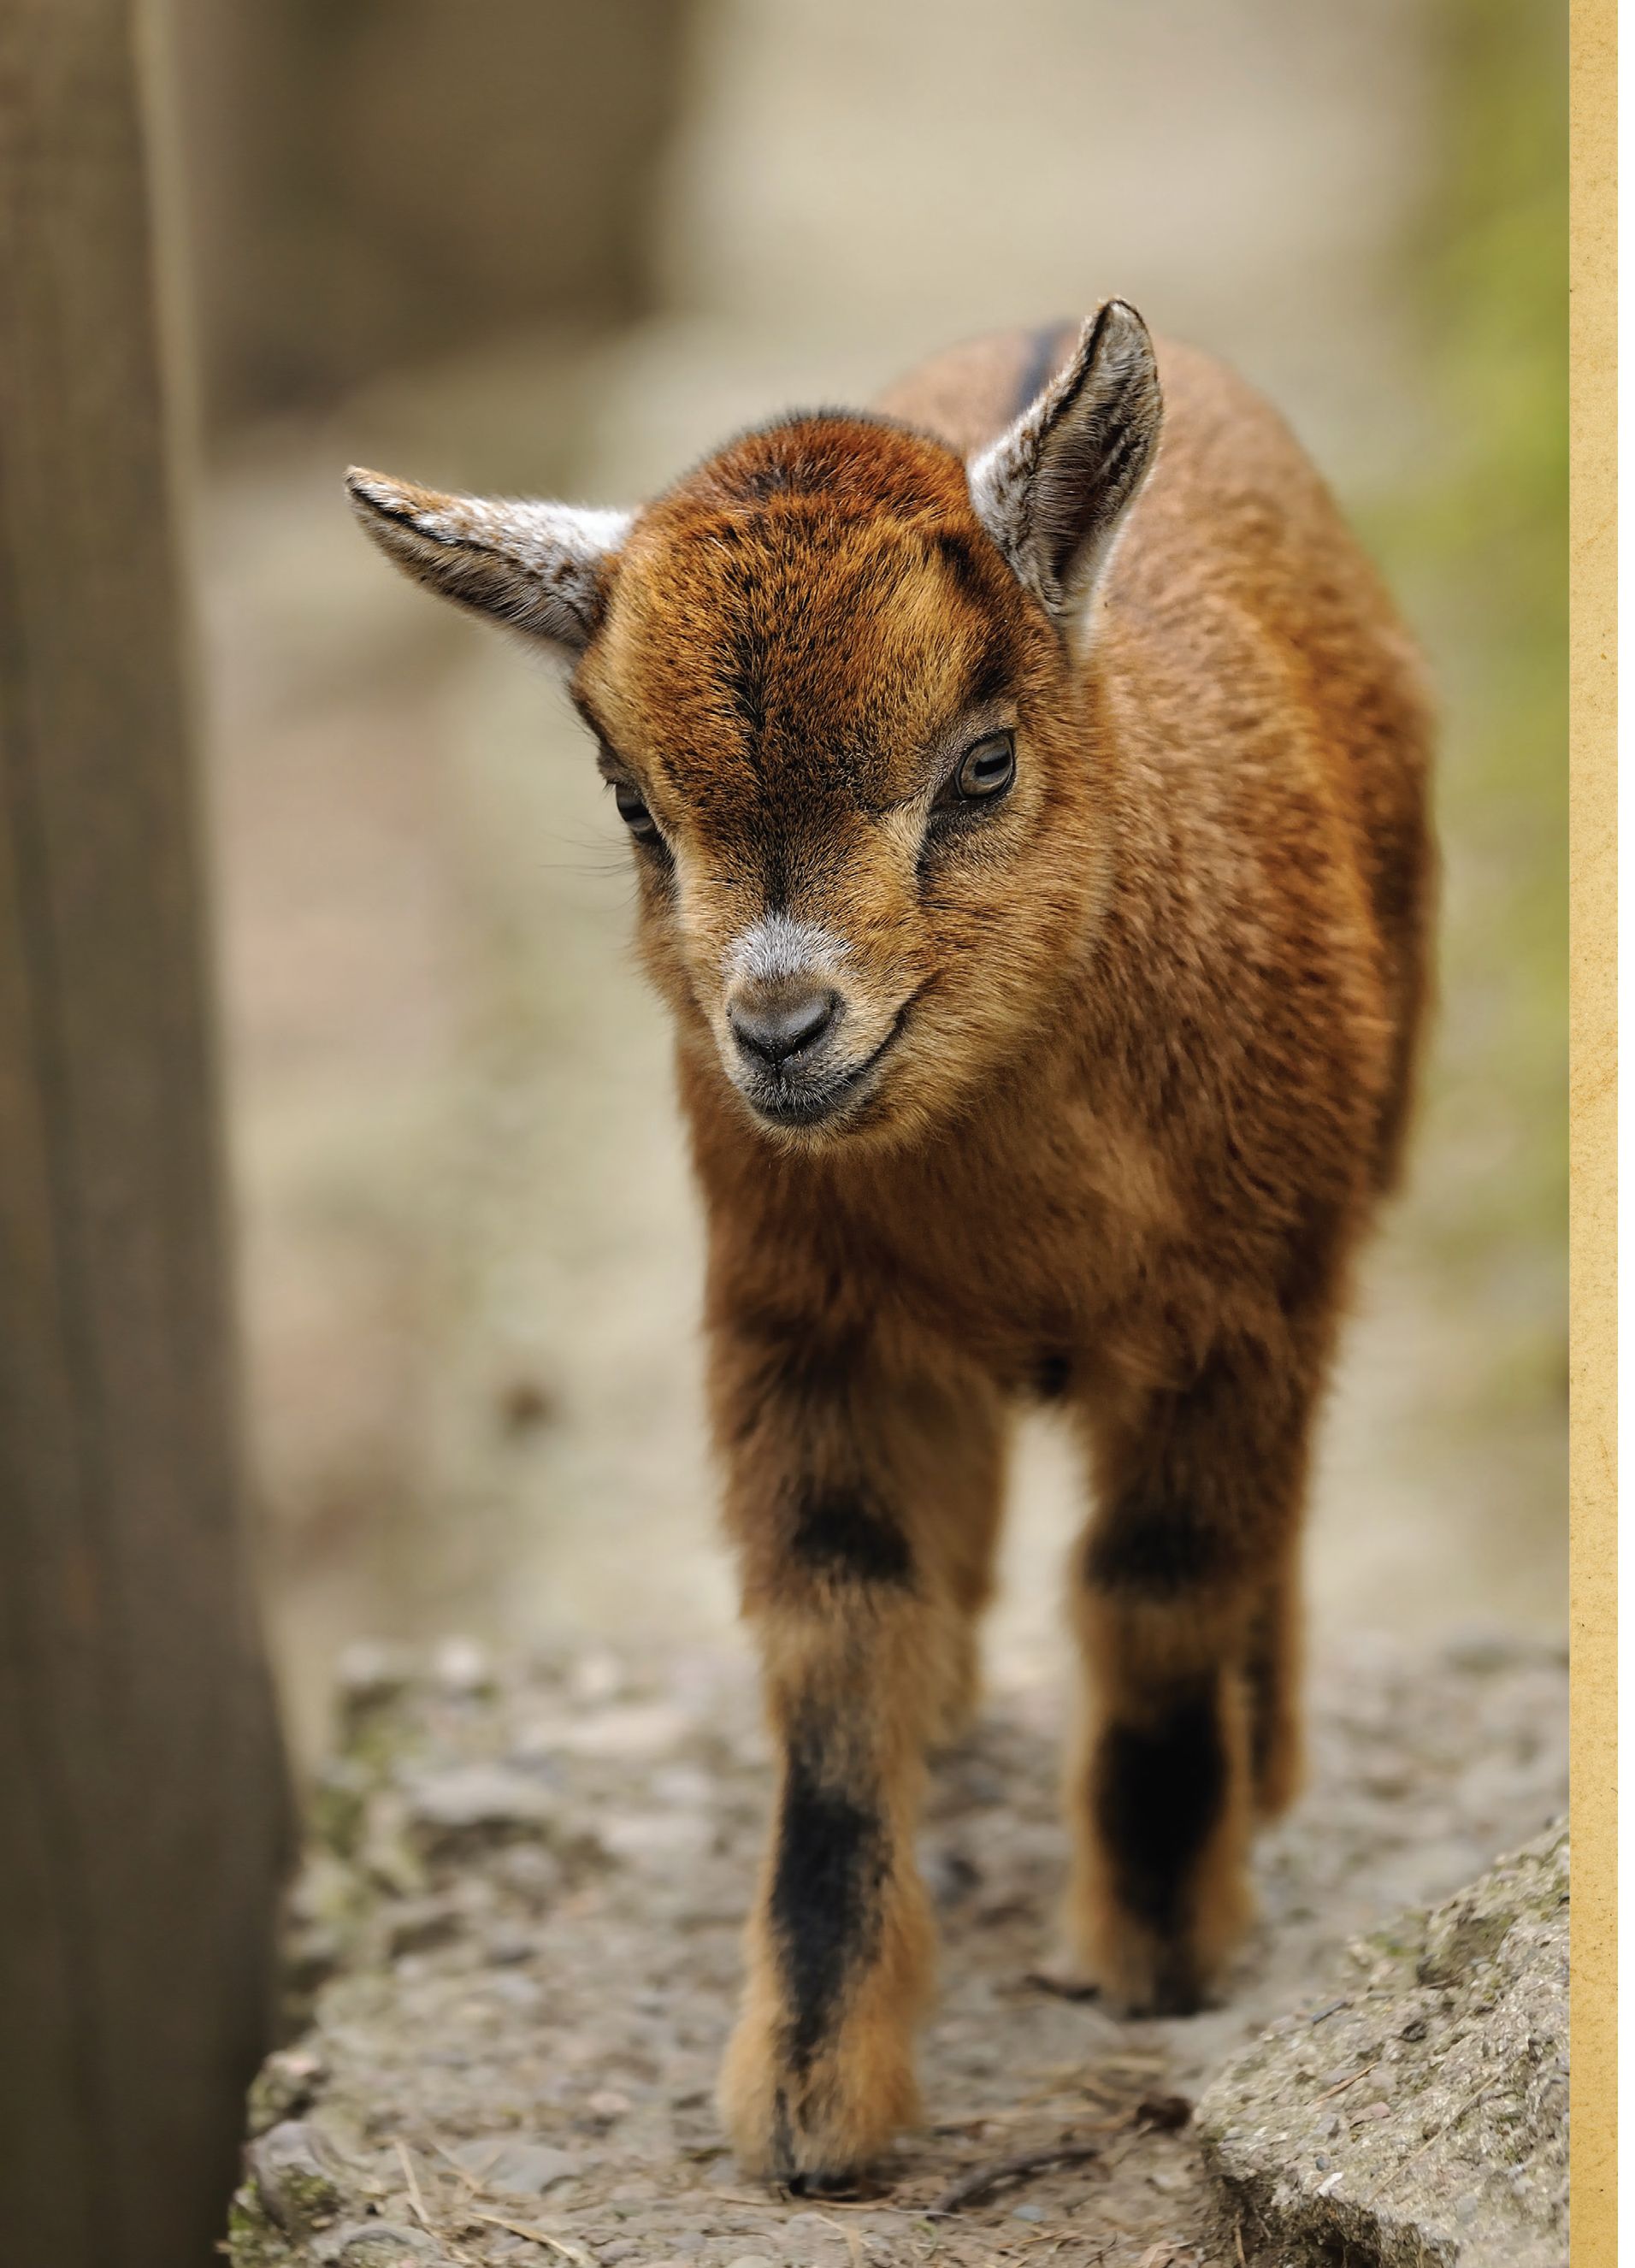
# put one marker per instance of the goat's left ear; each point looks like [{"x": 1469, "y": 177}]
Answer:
[
  {"x": 541, "y": 568},
  {"x": 1053, "y": 490}
]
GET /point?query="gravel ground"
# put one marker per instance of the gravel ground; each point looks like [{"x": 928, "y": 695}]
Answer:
[{"x": 520, "y": 1919}]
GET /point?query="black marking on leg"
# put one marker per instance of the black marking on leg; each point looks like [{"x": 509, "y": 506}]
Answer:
[
  {"x": 785, "y": 1362},
  {"x": 826, "y": 1888},
  {"x": 1157, "y": 1791},
  {"x": 1154, "y": 1547},
  {"x": 840, "y": 1530}
]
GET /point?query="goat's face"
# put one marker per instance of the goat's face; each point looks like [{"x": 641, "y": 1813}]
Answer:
[
  {"x": 834, "y": 728},
  {"x": 830, "y": 677}
]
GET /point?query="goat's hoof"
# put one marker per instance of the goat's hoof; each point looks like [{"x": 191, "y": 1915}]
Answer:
[{"x": 818, "y": 2130}]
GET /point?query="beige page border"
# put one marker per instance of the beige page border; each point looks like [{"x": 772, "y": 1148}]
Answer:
[{"x": 1593, "y": 1000}]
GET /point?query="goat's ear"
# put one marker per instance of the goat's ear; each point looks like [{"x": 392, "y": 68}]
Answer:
[
  {"x": 1053, "y": 490},
  {"x": 541, "y": 568}
]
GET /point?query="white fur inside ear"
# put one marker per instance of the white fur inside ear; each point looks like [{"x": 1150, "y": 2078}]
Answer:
[
  {"x": 998, "y": 480},
  {"x": 538, "y": 566},
  {"x": 566, "y": 546},
  {"x": 1053, "y": 490}
]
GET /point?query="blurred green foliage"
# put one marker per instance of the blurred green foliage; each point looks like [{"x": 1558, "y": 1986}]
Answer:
[{"x": 1478, "y": 548}]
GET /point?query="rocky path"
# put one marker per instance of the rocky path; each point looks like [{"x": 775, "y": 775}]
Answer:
[{"x": 520, "y": 1921}]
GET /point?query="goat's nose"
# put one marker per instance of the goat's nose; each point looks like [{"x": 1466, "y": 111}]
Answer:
[{"x": 781, "y": 1027}]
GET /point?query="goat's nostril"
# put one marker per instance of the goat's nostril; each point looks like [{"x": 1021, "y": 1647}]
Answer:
[{"x": 776, "y": 1029}]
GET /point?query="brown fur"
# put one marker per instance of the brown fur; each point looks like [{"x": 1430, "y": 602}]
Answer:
[{"x": 1145, "y": 1033}]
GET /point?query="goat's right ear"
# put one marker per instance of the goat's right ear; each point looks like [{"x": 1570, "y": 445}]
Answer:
[
  {"x": 1053, "y": 490},
  {"x": 541, "y": 568}
]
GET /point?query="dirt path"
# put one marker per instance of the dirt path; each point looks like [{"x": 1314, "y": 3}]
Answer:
[{"x": 535, "y": 1895}]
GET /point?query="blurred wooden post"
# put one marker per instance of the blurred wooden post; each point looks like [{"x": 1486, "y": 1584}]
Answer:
[{"x": 141, "y": 1796}]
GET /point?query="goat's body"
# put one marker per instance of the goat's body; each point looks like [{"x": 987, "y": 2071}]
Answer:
[
  {"x": 1035, "y": 861},
  {"x": 1147, "y": 1213},
  {"x": 1222, "y": 1075}
]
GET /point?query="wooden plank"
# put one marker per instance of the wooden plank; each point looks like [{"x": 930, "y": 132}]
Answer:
[{"x": 141, "y": 1780}]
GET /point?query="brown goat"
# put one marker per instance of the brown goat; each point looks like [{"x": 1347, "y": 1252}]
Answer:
[{"x": 1031, "y": 833}]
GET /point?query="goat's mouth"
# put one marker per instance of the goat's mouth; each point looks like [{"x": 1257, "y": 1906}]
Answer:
[{"x": 814, "y": 1097}]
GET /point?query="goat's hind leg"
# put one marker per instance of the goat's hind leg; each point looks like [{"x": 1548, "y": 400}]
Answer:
[{"x": 1185, "y": 1608}]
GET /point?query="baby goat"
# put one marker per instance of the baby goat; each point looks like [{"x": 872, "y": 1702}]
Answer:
[{"x": 1031, "y": 835}]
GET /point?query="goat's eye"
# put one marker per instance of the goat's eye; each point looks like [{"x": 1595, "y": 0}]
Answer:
[
  {"x": 986, "y": 768},
  {"x": 635, "y": 813}
]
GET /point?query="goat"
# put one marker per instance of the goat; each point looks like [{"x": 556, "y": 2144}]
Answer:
[{"x": 1031, "y": 833}]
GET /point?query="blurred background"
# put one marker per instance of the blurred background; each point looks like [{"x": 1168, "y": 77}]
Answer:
[{"x": 532, "y": 246}]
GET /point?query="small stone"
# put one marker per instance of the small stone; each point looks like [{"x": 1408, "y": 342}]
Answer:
[
  {"x": 596, "y": 1676},
  {"x": 454, "y": 1813},
  {"x": 950, "y": 1876},
  {"x": 339, "y": 1804},
  {"x": 285, "y": 2086},
  {"x": 296, "y": 2185},
  {"x": 376, "y": 2244},
  {"x": 686, "y": 1785},
  {"x": 750, "y": 2260},
  {"x": 522, "y": 1993},
  {"x": 1163, "y": 2114},
  {"x": 1026, "y": 2213},
  {"x": 607, "y": 2103},
  {"x": 371, "y": 1678},
  {"x": 1483, "y": 1651},
  {"x": 417, "y": 1924},
  {"x": 633, "y": 1728},
  {"x": 463, "y": 1667},
  {"x": 532, "y": 1873},
  {"x": 666, "y": 1835},
  {"x": 520, "y": 2169}
]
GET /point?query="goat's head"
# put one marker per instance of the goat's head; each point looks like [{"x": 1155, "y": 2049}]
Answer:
[{"x": 832, "y": 678}]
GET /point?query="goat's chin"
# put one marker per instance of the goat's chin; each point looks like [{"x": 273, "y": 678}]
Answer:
[
  {"x": 895, "y": 1108},
  {"x": 819, "y": 1121}
]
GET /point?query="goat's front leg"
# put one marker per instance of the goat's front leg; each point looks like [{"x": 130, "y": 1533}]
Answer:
[
  {"x": 1187, "y": 1615},
  {"x": 863, "y": 1650}
]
